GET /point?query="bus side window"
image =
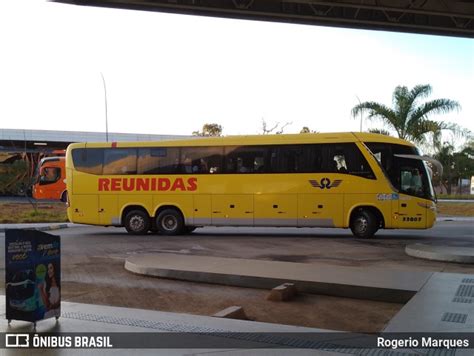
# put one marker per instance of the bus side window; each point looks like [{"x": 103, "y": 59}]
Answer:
[
  {"x": 158, "y": 160},
  {"x": 201, "y": 160},
  {"x": 248, "y": 159},
  {"x": 88, "y": 160},
  {"x": 336, "y": 159},
  {"x": 346, "y": 158},
  {"x": 120, "y": 161},
  {"x": 356, "y": 164}
]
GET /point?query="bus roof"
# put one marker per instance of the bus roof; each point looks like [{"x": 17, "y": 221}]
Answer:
[
  {"x": 256, "y": 140},
  {"x": 52, "y": 159}
]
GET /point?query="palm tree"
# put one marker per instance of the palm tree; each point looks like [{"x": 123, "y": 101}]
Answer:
[
  {"x": 409, "y": 116},
  {"x": 380, "y": 131}
]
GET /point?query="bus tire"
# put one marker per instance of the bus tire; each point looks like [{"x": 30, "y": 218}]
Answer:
[
  {"x": 137, "y": 222},
  {"x": 364, "y": 224},
  {"x": 170, "y": 222},
  {"x": 64, "y": 196}
]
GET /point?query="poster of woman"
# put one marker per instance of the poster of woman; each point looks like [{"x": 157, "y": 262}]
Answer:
[{"x": 49, "y": 291}]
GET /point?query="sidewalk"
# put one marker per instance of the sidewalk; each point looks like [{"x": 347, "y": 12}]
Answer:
[
  {"x": 438, "y": 302},
  {"x": 447, "y": 253},
  {"x": 232, "y": 336},
  {"x": 36, "y": 226}
]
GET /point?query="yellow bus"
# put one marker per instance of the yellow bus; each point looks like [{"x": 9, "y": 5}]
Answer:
[{"x": 359, "y": 181}]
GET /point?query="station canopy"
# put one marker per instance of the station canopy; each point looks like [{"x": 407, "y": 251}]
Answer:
[{"x": 436, "y": 17}]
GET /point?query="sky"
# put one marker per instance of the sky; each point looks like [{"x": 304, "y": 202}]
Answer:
[{"x": 170, "y": 74}]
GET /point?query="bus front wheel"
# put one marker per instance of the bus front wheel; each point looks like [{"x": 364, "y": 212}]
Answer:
[
  {"x": 364, "y": 224},
  {"x": 137, "y": 222},
  {"x": 169, "y": 222}
]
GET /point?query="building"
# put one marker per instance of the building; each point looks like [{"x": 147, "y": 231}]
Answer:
[
  {"x": 21, "y": 150},
  {"x": 45, "y": 141}
]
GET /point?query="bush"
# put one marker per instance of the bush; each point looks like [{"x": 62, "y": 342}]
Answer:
[{"x": 13, "y": 178}]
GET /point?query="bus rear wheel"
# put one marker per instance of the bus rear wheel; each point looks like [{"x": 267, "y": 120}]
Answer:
[
  {"x": 170, "y": 222},
  {"x": 137, "y": 222},
  {"x": 364, "y": 224}
]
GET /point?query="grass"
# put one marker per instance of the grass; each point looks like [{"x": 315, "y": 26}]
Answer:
[
  {"x": 453, "y": 196},
  {"x": 456, "y": 209},
  {"x": 11, "y": 213}
]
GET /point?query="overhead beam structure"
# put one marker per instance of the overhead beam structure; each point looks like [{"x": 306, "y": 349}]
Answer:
[{"x": 436, "y": 17}]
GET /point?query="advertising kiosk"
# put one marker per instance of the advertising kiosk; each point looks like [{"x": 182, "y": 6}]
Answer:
[{"x": 32, "y": 275}]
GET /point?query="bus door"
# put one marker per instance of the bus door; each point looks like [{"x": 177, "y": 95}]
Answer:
[
  {"x": 411, "y": 212},
  {"x": 232, "y": 210}
]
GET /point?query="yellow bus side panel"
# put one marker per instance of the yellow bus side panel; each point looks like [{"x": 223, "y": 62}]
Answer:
[
  {"x": 323, "y": 210},
  {"x": 275, "y": 209},
  {"x": 108, "y": 210},
  {"x": 85, "y": 209},
  {"x": 232, "y": 209},
  {"x": 412, "y": 213},
  {"x": 202, "y": 209}
]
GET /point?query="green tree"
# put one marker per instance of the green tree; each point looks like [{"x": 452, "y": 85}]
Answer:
[
  {"x": 13, "y": 177},
  {"x": 446, "y": 158},
  {"x": 278, "y": 127},
  {"x": 306, "y": 129},
  {"x": 380, "y": 131},
  {"x": 456, "y": 165},
  {"x": 409, "y": 116},
  {"x": 209, "y": 130}
]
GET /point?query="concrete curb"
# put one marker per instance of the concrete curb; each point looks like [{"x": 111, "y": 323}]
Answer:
[
  {"x": 457, "y": 254},
  {"x": 37, "y": 228},
  {"x": 455, "y": 218},
  {"x": 380, "y": 285}
]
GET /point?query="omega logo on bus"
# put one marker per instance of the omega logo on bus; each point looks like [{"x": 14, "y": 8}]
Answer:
[{"x": 146, "y": 184}]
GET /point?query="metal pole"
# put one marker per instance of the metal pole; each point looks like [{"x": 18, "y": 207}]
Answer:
[{"x": 106, "y": 117}]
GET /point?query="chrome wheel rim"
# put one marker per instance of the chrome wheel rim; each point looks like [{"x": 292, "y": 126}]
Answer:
[
  {"x": 361, "y": 225},
  {"x": 137, "y": 223},
  {"x": 169, "y": 222}
]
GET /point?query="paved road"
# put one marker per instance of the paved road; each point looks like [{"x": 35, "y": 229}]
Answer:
[
  {"x": 93, "y": 272},
  {"x": 326, "y": 246}
]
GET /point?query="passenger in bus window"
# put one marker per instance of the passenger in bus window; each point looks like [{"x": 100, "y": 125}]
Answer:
[
  {"x": 247, "y": 165},
  {"x": 199, "y": 166},
  {"x": 187, "y": 165}
]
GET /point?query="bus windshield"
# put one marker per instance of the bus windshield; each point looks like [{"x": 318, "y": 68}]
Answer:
[{"x": 409, "y": 175}]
